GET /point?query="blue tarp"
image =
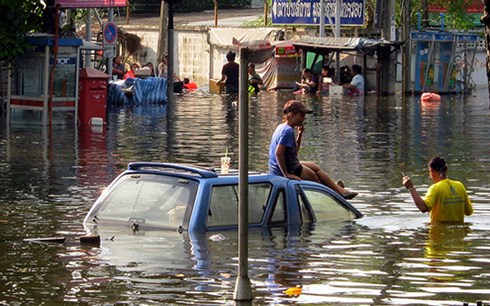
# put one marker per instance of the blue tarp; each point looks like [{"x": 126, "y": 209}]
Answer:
[{"x": 138, "y": 92}]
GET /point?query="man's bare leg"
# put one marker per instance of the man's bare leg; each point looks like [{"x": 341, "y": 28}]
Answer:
[{"x": 322, "y": 177}]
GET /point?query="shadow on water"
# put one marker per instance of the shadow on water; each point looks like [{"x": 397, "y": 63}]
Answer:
[{"x": 50, "y": 178}]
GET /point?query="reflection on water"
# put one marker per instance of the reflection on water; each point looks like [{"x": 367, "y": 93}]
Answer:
[{"x": 50, "y": 178}]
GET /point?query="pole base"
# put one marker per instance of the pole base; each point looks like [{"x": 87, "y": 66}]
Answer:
[{"x": 243, "y": 289}]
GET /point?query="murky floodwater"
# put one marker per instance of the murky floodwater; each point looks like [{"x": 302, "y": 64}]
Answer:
[{"x": 50, "y": 178}]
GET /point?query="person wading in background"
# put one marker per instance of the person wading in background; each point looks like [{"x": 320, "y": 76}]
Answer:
[
  {"x": 446, "y": 200},
  {"x": 229, "y": 73}
]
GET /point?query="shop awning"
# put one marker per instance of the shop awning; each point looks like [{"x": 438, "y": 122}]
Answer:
[{"x": 342, "y": 44}]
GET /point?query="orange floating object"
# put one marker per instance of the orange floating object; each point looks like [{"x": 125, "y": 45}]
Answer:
[
  {"x": 430, "y": 96},
  {"x": 294, "y": 291}
]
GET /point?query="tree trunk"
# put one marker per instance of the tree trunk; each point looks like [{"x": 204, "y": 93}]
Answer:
[{"x": 485, "y": 19}]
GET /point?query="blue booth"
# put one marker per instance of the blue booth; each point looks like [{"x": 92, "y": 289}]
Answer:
[{"x": 442, "y": 61}]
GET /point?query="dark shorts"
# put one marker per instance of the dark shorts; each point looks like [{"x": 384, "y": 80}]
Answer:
[{"x": 296, "y": 170}]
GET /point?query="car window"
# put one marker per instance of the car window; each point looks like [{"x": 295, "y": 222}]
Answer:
[
  {"x": 152, "y": 200},
  {"x": 224, "y": 204},
  {"x": 279, "y": 213},
  {"x": 325, "y": 206},
  {"x": 306, "y": 214}
]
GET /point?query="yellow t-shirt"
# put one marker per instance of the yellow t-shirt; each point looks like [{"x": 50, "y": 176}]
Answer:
[{"x": 448, "y": 202}]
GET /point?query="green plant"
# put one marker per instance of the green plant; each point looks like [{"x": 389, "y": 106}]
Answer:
[{"x": 19, "y": 17}]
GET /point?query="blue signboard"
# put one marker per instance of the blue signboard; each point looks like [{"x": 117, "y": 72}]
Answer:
[{"x": 308, "y": 12}]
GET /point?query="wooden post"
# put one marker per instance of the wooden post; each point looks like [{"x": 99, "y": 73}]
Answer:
[
  {"x": 162, "y": 34},
  {"x": 266, "y": 12},
  {"x": 128, "y": 7},
  {"x": 215, "y": 13}
]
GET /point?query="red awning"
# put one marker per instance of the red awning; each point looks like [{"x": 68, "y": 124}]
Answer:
[{"x": 90, "y": 3}]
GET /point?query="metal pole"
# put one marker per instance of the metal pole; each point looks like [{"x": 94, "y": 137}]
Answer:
[
  {"x": 322, "y": 18},
  {"x": 243, "y": 289},
  {"x": 170, "y": 63},
  {"x": 406, "y": 50},
  {"x": 88, "y": 37},
  {"x": 485, "y": 19},
  {"x": 109, "y": 61},
  {"x": 338, "y": 6}
]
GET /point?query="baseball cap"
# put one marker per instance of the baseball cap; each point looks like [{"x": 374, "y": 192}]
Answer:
[{"x": 295, "y": 105}]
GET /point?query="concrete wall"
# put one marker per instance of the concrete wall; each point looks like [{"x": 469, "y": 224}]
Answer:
[{"x": 191, "y": 51}]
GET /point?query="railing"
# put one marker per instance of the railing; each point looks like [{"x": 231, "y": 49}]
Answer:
[{"x": 205, "y": 173}]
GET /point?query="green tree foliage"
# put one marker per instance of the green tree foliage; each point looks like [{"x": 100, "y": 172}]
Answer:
[
  {"x": 19, "y": 17},
  {"x": 456, "y": 16}
]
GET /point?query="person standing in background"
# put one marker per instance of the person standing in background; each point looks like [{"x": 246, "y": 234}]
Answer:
[
  {"x": 162, "y": 67},
  {"x": 356, "y": 86},
  {"x": 230, "y": 73},
  {"x": 151, "y": 67},
  {"x": 118, "y": 67},
  {"x": 254, "y": 79},
  {"x": 325, "y": 80},
  {"x": 131, "y": 72},
  {"x": 309, "y": 82}
]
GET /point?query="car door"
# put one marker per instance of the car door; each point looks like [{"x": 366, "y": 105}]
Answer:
[{"x": 223, "y": 207}]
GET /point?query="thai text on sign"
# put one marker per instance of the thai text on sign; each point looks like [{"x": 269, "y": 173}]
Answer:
[{"x": 308, "y": 12}]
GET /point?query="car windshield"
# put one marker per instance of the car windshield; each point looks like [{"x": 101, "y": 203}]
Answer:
[{"x": 148, "y": 199}]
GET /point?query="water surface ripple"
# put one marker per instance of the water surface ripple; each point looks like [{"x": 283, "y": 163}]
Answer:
[{"x": 50, "y": 178}]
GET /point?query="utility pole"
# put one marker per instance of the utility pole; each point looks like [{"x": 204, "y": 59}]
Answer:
[
  {"x": 170, "y": 63},
  {"x": 485, "y": 19},
  {"x": 322, "y": 18},
  {"x": 338, "y": 10},
  {"x": 162, "y": 33},
  {"x": 388, "y": 60},
  {"x": 405, "y": 10}
]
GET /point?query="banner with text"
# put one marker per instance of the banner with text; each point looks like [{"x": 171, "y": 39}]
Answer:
[
  {"x": 471, "y": 7},
  {"x": 90, "y": 3},
  {"x": 308, "y": 12}
]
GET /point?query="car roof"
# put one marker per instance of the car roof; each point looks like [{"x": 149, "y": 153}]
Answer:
[{"x": 188, "y": 171}]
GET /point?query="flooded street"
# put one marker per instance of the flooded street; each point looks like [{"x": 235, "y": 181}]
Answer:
[{"x": 49, "y": 179}]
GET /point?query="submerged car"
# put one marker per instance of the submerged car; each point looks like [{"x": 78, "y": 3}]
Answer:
[{"x": 188, "y": 198}]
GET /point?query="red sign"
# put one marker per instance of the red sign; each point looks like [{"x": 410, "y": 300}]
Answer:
[
  {"x": 475, "y": 6},
  {"x": 90, "y": 3}
]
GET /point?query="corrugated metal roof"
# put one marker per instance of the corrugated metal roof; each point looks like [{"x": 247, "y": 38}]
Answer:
[{"x": 342, "y": 43}]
